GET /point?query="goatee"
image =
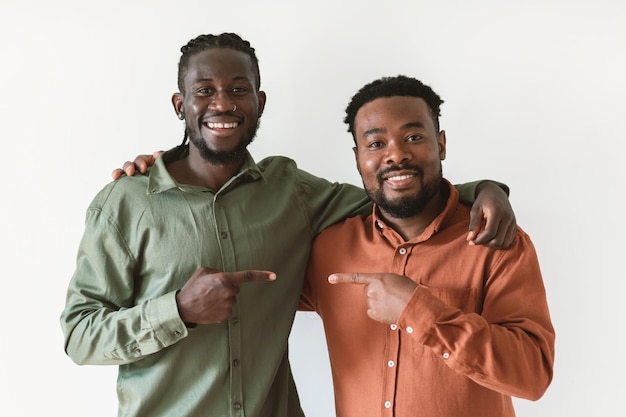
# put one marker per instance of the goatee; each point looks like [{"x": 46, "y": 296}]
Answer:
[
  {"x": 235, "y": 154},
  {"x": 408, "y": 206}
]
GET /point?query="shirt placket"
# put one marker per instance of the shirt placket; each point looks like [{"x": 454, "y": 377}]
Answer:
[
  {"x": 234, "y": 324},
  {"x": 236, "y": 380},
  {"x": 390, "y": 370},
  {"x": 392, "y": 353}
]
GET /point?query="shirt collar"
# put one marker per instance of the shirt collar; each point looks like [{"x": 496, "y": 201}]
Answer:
[
  {"x": 378, "y": 223},
  {"x": 160, "y": 180}
]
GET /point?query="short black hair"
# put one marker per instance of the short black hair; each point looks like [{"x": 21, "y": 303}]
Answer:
[
  {"x": 399, "y": 85},
  {"x": 224, "y": 40}
]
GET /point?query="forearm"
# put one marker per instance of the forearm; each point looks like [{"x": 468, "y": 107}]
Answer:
[
  {"x": 469, "y": 190},
  {"x": 500, "y": 336},
  {"x": 508, "y": 358},
  {"x": 96, "y": 334}
]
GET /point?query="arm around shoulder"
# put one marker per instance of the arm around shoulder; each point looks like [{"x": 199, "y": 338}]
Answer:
[{"x": 492, "y": 220}]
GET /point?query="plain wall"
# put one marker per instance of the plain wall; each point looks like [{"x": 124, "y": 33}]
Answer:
[{"x": 534, "y": 97}]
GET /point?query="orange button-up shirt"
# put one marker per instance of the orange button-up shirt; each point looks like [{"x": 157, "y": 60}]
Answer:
[{"x": 476, "y": 331}]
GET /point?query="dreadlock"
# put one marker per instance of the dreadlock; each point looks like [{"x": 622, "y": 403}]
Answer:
[
  {"x": 393, "y": 86},
  {"x": 204, "y": 42}
]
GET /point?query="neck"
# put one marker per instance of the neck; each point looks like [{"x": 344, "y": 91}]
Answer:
[
  {"x": 195, "y": 170},
  {"x": 411, "y": 227}
]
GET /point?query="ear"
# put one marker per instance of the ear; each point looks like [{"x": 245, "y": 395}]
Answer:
[
  {"x": 177, "y": 102},
  {"x": 441, "y": 140},
  {"x": 356, "y": 157},
  {"x": 262, "y": 99}
]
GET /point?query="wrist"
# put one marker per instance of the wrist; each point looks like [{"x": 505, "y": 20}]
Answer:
[
  {"x": 486, "y": 185},
  {"x": 189, "y": 324}
]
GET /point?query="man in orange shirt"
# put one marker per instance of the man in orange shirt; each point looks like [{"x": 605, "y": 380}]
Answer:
[{"x": 419, "y": 322}]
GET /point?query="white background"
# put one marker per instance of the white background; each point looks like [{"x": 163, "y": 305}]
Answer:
[{"x": 534, "y": 97}]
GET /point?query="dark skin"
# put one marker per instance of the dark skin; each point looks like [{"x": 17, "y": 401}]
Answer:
[
  {"x": 209, "y": 295},
  {"x": 394, "y": 132},
  {"x": 492, "y": 220},
  {"x": 221, "y": 107},
  {"x": 391, "y": 131}
]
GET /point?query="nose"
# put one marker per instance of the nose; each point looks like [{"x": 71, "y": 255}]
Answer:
[
  {"x": 397, "y": 152},
  {"x": 222, "y": 102}
]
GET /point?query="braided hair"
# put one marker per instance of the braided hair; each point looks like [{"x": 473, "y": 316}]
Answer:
[
  {"x": 399, "y": 85},
  {"x": 224, "y": 40}
]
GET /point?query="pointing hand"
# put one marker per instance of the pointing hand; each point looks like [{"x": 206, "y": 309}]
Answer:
[
  {"x": 209, "y": 295},
  {"x": 387, "y": 294}
]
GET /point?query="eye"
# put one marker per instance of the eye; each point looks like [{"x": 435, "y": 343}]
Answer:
[
  {"x": 414, "y": 138},
  {"x": 374, "y": 145},
  {"x": 204, "y": 91},
  {"x": 239, "y": 90}
]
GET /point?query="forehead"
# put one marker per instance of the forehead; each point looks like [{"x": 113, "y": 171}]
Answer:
[
  {"x": 219, "y": 64},
  {"x": 387, "y": 113}
]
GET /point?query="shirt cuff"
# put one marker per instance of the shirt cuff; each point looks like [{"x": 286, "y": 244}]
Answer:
[
  {"x": 168, "y": 326},
  {"x": 419, "y": 315}
]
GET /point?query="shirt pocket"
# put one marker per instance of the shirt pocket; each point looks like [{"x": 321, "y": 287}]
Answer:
[
  {"x": 468, "y": 300},
  {"x": 465, "y": 299}
]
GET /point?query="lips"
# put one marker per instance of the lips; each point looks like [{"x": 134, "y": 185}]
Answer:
[{"x": 399, "y": 179}]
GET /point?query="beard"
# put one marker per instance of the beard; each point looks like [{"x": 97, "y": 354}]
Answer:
[
  {"x": 235, "y": 154},
  {"x": 408, "y": 206}
]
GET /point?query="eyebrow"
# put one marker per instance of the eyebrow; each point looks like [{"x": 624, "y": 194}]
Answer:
[
  {"x": 236, "y": 78},
  {"x": 377, "y": 130}
]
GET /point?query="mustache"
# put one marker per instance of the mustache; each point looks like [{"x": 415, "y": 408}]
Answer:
[
  {"x": 213, "y": 113},
  {"x": 400, "y": 167}
]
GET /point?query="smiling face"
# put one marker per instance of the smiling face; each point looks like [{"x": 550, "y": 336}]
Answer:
[
  {"x": 398, "y": 154},
  {"x": 216, "y": 81}
]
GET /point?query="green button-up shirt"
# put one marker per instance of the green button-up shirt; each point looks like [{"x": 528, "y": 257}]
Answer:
[{"x": 144, "y": 238}]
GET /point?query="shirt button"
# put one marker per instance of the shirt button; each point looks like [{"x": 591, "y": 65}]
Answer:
[
  {"x": 402, "y": 251},
  {"x": 137, "y": 351},
  {"x": 235, "y": 320},
  {"x": 236, "y": 362},
  {"x": 390, "y": 364},
  {"x": 237, "y": 406},
  {"x": 446, "y": 355},
  {"x": 177, "y": 333},
  {"x": 394, "y": 326},
  {"x": 223, "y": 235},
  {"x": 409, "y": 330},
  {"x": 387, "y": 404}
]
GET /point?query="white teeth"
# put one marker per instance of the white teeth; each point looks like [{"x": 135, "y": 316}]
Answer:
[
  {"x": 399, "y": 177},
  {"x": 222, "y": 125}
]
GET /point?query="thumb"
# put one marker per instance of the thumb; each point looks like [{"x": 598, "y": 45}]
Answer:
[{"x": 249, "y": 276}]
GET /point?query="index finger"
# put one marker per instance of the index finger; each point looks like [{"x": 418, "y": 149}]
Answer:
[
  {"x": 249, "y": 276},
  {"x": 351, "y": 278}
]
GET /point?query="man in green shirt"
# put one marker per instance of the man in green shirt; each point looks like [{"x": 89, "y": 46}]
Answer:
[{"x": 156, "y": 288}]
